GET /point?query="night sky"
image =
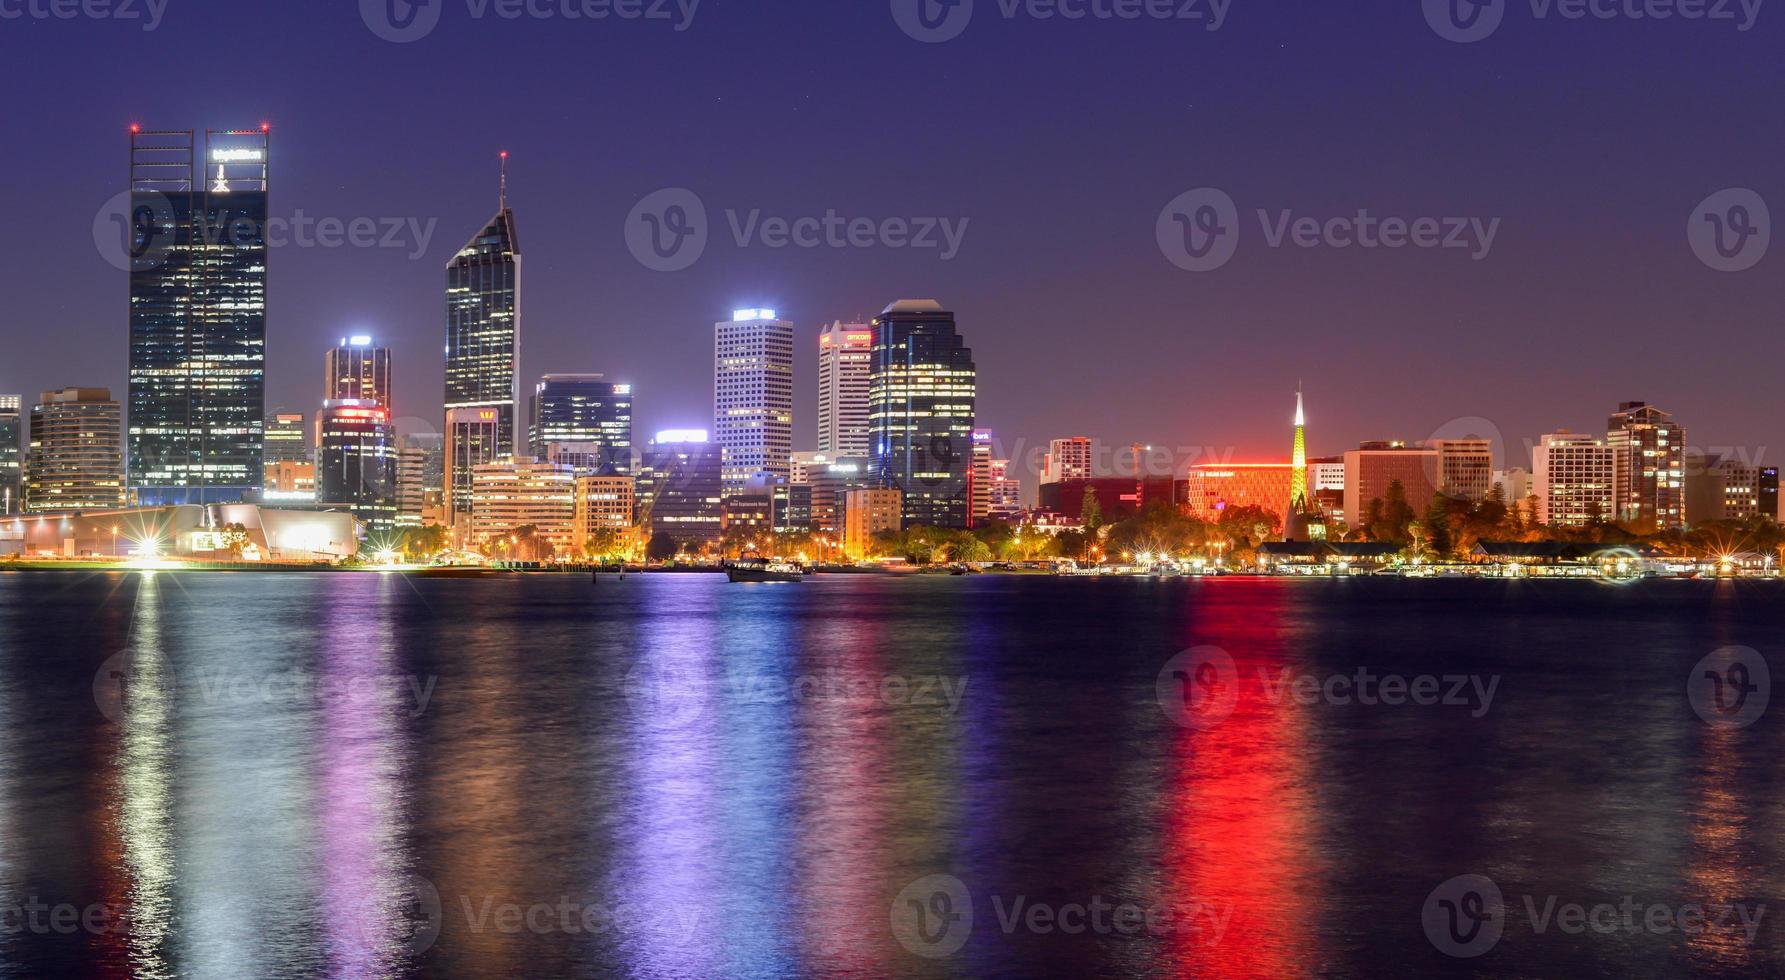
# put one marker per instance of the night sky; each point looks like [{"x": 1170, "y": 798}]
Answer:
[{"x": 1061, "y": 141}]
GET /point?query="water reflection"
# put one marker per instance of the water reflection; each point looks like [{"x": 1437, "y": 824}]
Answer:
[{"x": 143, "y": 817}]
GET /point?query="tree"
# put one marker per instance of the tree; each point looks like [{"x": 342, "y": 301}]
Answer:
[
  {"x": 423, "y": 543},
  {"x": 235, "y": 540},
  {"x": 661, "y": 548},
  {"x": 1091, "y": 512}
]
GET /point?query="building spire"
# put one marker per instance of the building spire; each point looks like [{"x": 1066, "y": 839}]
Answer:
[
  {"x": 1301, "y": 417},
  {"x": 502, "y": 199}
]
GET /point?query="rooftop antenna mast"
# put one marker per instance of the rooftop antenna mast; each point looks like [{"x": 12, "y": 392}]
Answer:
[{"x": 503, "y": 199}]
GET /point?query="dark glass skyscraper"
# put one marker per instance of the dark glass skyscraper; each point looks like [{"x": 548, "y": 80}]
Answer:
[
  {"x": 921, "y": 398},
  {"x": 483, "y": 324},
  {"x": 357, "y": 462},
  {"x": 584, "y": 410},
  {"x": 12, "y": 456},
  {"x": 357, "y": 371},
  {"x": 198, "y": 281},
  {"x": 681, "y": 484}
]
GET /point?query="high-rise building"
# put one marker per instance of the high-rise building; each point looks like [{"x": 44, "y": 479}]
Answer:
[
  {"x": 1575, "y": 479},
  {"x": 421, "y": 476},
  {"x": 473, "y": 439},
  {"x": 753, "y": 395},
  {"x": 483, "y": 324},
  {"x": 287, "y": 439},
  {"x": 1465, "y": 468},
  {"x": 682, "y": 480},
  {"x": 76, "y": 460},
  {"x": 1068, "y": 459},
  {"x": 1371, "y": 469},
  {"x": 357, "y": 462},
  {"x": 803, "y": 465},
  {"x": 1720, "y": 488},
  {"x": 604, "y": 508},
  {"x": 585, "y": 410},
  {"x": 845, "y": 367},
  {"x": 1005, "y": 494},
  {"x": 514, "y": 494},
  {"x": 198, "y": 285},
  {"x": 980, "y": 476},
  {"x": 922, "y": 399},
  {"x": 357, "y": 371},
  {"x": 828, "y": 487},
  {"x": 12, "y": 456},
  {"x": 1769, "y": 492},
  {"x": 1651, "y": 482}
]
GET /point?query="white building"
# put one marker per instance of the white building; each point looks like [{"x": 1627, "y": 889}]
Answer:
[
  {"x": 513, "y": 494},
  {"x": 845, "y": 364},
  {"x": 603, "y": 507},
  {"x": 753, "y": 396},
  {"x": 1068, "y": 459},
  {"x": 1575, "y": 479}
]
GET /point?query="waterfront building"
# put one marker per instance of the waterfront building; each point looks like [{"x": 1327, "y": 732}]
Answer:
[
  {"x": 1465, "y": 468},
  {"x": 922, "y": 397},
  {"x": 1210, "y": 489},
  {"x": 513, "y": 494},
  {"x": 12, "y": 455},
  {"x": 793, "y": 509},
  {"x": 421, "y": 476},
  {"x": 868, "y": 513},
  {"x": 845, "y": 370},
  {"x": 473, "y": 439},
  {"x": 1374, "y": 466},
  {"x": 1719, "y": 488},
  {"x": 184, "y": 531},
  {"x": 287, "y": 439},
  {"x": 1769, "y": 492},
  {"x": 753, "y": 395},
  {"x": 483, "y": 326},
  {"x": 749, "y": 515},
  {"x": 357, "y": 371},
  {"x": 1575, "y": 479},
  {"x": 683, "y": 484},
  {"x": 356, "y": 459},
  {"x": 828, "y": 487},
  {"x": 76, "y": 458},
  {"x": 1068, "y": 459},
  {"x": 1004, "y": 494},
  {"x": 1652, "y": 463},
  {"x": 980, "y": 476},
  {"x": 198, "y": 287},
  {"x": 604, "y": 509},
  {"x": 1118, "y": 497},
  {"x": 586, "y": 411}
]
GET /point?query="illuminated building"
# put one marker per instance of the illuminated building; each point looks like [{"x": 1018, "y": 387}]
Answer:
[
  {"x": 828, "y": 486},
  {"x": 1298, "y": 459},
  {"x": 184, "y": 531},
  {"x": 290, "y": 480},
  {"x": 585, "y": 411},
  {"x": 749, "y": 515},
  {"x": 1575, "y": 479},
  {"x": 1718, "y": 488},
  {"x": 473, "y": 438},
  {"x": 801, "y": 466},
  {"x": 921, "y": 410},
  {"x": 1465, "y": 468},
  {"x": 1373, "y": 467},
  {"x": 513, "y": 494},
  {"x": 845, "y": 369},
  {"x": 483, "y": 325},
  {"x": 357, "y": 371},
  {"x": 1004, "y": 494},
  {"x": 866, "y": 514},
  {"x": 198, "y": 283},
  {"x": 1068, "y": 459},
  {"x": 287, "y": 440},
  {"x": 421, "y": 475},
  {"x": 753, "y": 395},
  {"x": 12, "y": 456},
  {"x": 1212, "y": 488},
  {"x": 77, "y": 453},
  {"x": 980, "y": 476},
  {"x": 356, "y": 459},
  {"x": 604, "y": 507},
  {"x": 682, "y": 485},
  {"x": 1769, "y": 492},
  {"x": 1118, "y": 497},
  {"x": 1652, "y": 462}
]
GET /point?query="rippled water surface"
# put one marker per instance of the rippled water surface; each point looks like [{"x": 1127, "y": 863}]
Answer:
[{"x": 359, "y": 775}]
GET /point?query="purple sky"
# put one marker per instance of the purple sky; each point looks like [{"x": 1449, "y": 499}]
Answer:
[{"x": 1059, "y": 141}]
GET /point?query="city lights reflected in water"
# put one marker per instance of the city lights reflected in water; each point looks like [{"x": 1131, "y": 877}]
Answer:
[{"x": 144, "y": 764}]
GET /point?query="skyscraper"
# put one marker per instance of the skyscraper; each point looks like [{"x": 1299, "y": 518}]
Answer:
[
  {"x": 981, "y": 476},
  {"x": 1575, "y": 480},
  {"x": 845, "y": 365},
  {"x": 921, "y": 412},
  {"x": 286, "y": 440},
  {"x": 1068, "y": 460},
  {"x": 483, "y": 324},
  {"x": 357, "y": 462},
  {"x": 473, "y": 438},
  {"x": 355, "y": 370},
  {"x": 197, "y": 315},
  {"x": 12, "y": 456},
  {"x": 421, "y": 476},
  {"x": 1652, "y": 465},
  {"x": 586, "y": 410},
  {"x": 77, "y": 452},
  {"x": 753, "y": 396},
  {"x": 682, "y": 475}
]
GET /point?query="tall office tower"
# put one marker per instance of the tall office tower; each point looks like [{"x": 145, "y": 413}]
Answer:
[
  {"x": 286, "y": 440},
  {"x": 586, "y": 410},
  {"x": 12, "y": 456},
  {"x": 980, "y": 472},
  {"x": 1465, "y": 468},
  {"x": 198, "y": 285},
  {"x": 421, "y": 471},
  {"x": 1651, "y": 485},
  {"x": 357, "y": 371},
  {"x": 483, "y": 324},
  {"x": 845, "y": 365},
  {"x": 1575, "y": 479},
  {"x": 77, "y": 452},
  {"x": 473, "y": 439},
  {"x": 682, "y": 474},
  {"x": 753, "y": 395},
  {"x": 1067, "y": 460},
  {"x": 921, "y": 410},
  {"x": 357, "y": 462}
]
